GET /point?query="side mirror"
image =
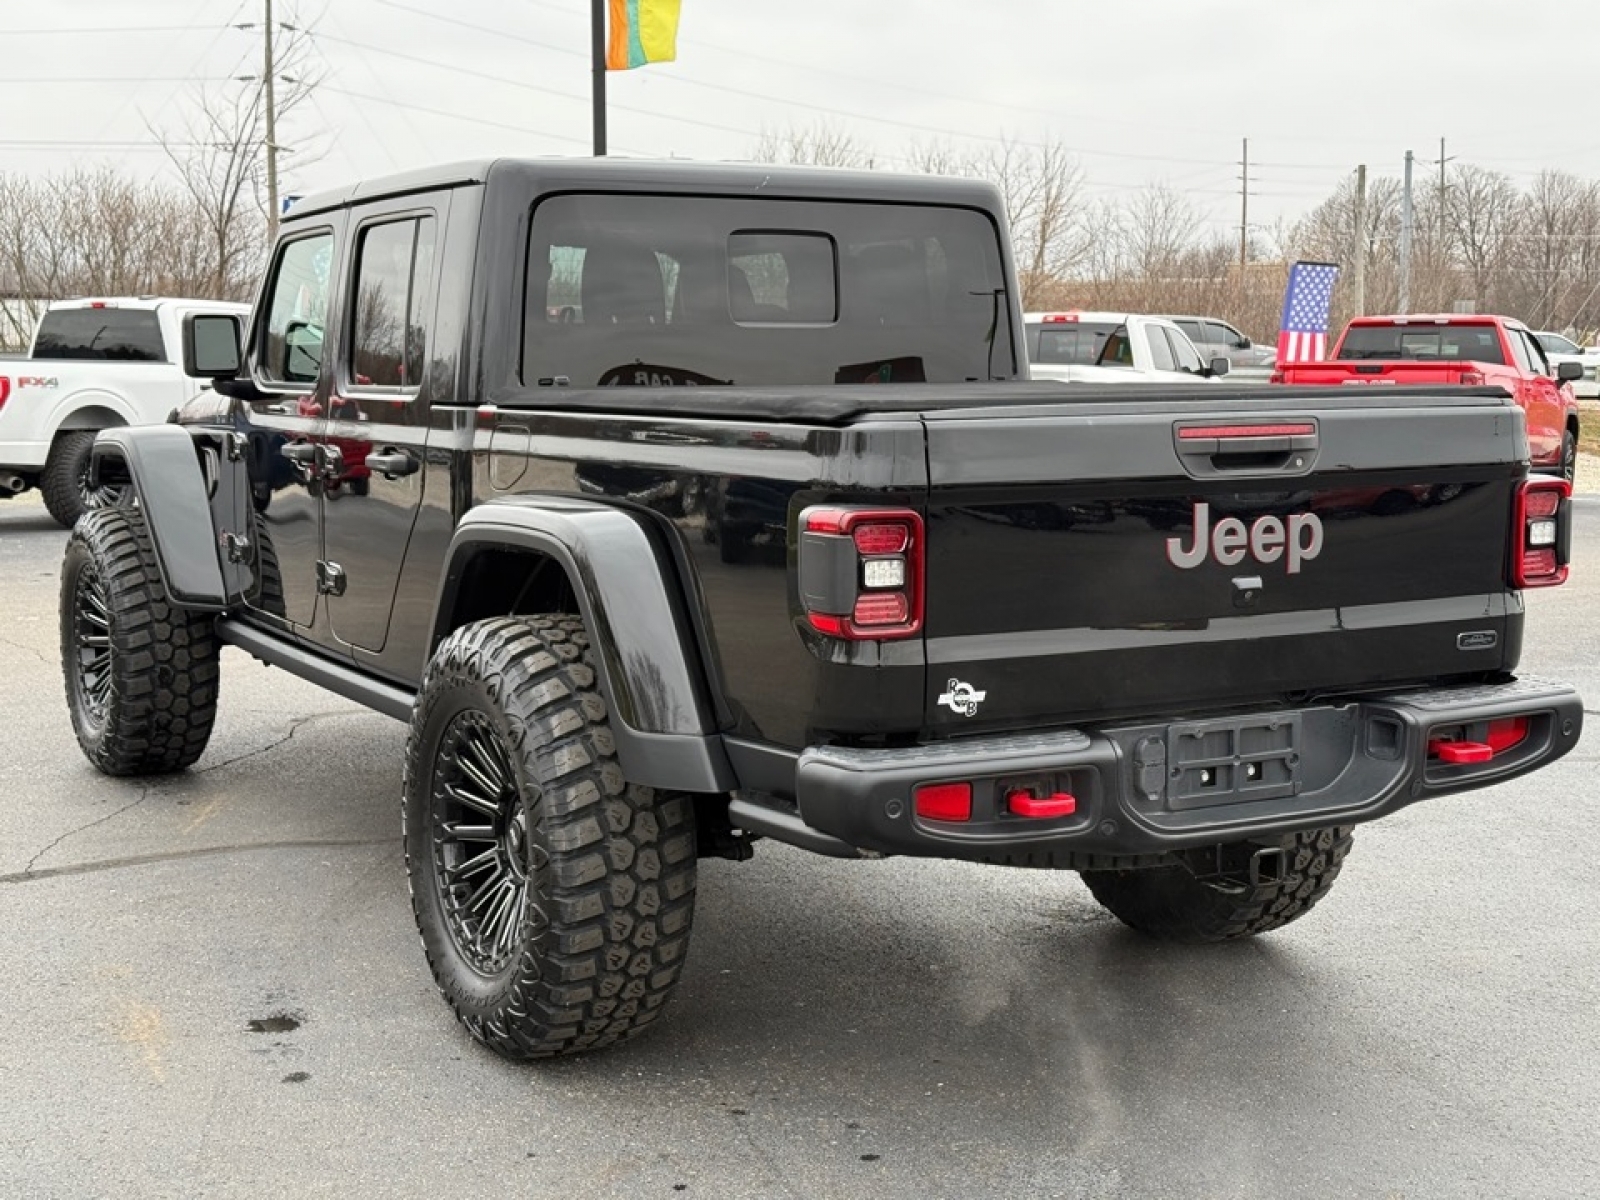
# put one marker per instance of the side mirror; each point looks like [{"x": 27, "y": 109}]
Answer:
[
  {"x": 302, "y": 352},
  {"x": 211, "y": 346},
  {"x": 1568, "y": 372},
  {"x": 1219, "y": 366},
  {"x": 1243, "y": 343}
]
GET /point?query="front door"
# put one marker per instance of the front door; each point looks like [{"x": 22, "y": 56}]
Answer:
[
  {"x": 377, "y": 430},
  {"x": 1540, "y": 398},
  {"x": 287, "y": 419}
]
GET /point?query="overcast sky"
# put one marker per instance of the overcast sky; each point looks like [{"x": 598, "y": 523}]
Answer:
[{"x": 1142, "y": 92}]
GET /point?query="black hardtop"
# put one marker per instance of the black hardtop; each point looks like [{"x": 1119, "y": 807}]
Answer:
[{"x": 678, "y": 176}]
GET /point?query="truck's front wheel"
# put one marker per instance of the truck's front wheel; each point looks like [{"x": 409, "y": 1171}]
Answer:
[
  {"x": 141, "y": 673},
  {"x": 554, "y": 899},
  {"x": 1172, "y": 904},
  {"x": 68, "y": 493}
]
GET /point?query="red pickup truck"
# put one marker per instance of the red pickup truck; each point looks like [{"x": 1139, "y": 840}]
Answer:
[{"x": 1474, "y": 350}]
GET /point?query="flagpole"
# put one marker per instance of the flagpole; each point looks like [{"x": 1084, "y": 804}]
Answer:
[{"x": 598, "y": 47}]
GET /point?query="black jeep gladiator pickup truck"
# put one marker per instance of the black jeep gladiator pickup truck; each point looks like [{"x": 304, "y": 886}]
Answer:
[{"x": 590, "y": 471}]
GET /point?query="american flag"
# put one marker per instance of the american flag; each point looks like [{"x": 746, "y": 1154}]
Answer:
[{"x": 1303, "y": 335}]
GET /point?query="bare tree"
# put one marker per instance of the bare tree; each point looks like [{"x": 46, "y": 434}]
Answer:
[
  {"x": 95, "y": 232},
  {"x": 220, "y": 153},
  {"x": 820, "y": 145},
  {"x": 1482, "y": 210}
]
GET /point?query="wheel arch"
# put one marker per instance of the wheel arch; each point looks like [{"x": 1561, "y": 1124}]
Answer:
[
  {"x": 90, "y": 414},
  {"x": 89, "y": 408},
  {"x": 599, "y": 562}
]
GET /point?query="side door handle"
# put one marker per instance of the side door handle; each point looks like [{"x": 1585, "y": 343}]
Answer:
[{"x": 391, "y": 463}]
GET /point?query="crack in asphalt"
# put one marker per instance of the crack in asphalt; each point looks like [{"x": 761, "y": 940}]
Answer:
[
  {"x": 295, "y": 726},
  {"x": 144, "y": 792},
  {"x": 28, "y": 872},
  {"x": 139, "y": 860},
  {"x": 33, "y": 650}
]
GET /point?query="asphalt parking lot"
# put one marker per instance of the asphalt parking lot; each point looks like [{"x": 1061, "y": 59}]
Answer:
[{"x": 213, "y": 987}]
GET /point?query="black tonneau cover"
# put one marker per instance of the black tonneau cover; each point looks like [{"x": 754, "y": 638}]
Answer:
[{"x": 846, "y": 404}]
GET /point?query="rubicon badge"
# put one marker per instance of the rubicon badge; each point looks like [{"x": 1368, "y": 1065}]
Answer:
[{"x": 962, "y": 698}]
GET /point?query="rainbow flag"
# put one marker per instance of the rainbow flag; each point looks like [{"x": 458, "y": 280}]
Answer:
[{"x": 642, "y": 31}]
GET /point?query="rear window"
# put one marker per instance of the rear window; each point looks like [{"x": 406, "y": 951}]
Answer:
[
  {"x": 100, "y": 335},
  {"x": 1068, "y": 341},
  {"x": 1441, "y": 343},
  {"x": 663, "y": 290}
]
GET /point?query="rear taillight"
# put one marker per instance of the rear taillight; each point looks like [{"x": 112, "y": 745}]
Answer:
[
  {"x": 1473, "y": 378},
  {"x": 5, "y": 390},
  {"x": 1540, "y": 533},
  {"x": 861, "y": 572}
]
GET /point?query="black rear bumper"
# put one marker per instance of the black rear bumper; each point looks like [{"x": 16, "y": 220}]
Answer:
[{"x": 1150, "y": 789}]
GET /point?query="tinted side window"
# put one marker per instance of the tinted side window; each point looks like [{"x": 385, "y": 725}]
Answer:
[
  {"x": 1195, "y": 330},
  {"x": 1160, "y": 353},
  {"x": 100, "y": 335},
  {"x": 297, "y": 310},
  {"x": 1221, "y": 336},
  {"x": 1184, "y": 353},
  {"x": 1520, "y": 353},
  {"x": 1536, "y": 354},
  {"x": 626, "y": 289},
  {"x": 394, "y": 267}
]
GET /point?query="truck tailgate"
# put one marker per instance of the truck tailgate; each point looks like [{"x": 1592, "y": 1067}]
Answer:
[
  {"x": 1382, "y": 372},
  {"x": 1109, "y": 558}
]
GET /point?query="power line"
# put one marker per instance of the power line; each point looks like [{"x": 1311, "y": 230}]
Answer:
[
  {"x": 439, "y": 112},
  {"x": 86, "y": 144},
  {"x": 941, "y": 131},
  {"x": 101, "y": 29},
  {"x": 134, "y": 79},
  {"x": 532, "y": 87}
]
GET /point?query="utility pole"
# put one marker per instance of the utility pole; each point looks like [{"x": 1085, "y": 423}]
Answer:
[
  {"x": 1407, "y": 214},
  {"x": 1244, "y": 210},
  {"x": 269, "y": 72},
  {"x": 1442, "y": 187},
  {"x": 1359, "y": 271}
]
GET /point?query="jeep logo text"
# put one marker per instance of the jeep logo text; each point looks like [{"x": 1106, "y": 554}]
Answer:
[{"x": 1297, "y": 540}]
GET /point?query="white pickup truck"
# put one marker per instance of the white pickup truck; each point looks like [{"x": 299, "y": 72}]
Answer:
[
  {"x": 94, "y": 364},
  {"x": 1101, "y": 347},
  {"x": 1558, "y": 348}
]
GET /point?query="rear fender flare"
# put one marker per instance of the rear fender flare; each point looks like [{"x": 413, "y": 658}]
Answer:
[
  {"x": 163, "y": 463},
  {"x": 628, "y": 594}
]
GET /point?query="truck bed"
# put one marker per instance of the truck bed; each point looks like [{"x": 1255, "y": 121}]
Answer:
[{"x": 843, "y": 405}]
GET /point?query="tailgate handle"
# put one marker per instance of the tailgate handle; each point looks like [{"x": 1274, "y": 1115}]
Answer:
[{"x": 1258, "y": 447}]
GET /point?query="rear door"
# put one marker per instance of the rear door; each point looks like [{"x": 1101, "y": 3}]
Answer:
[
  {"x": 1134, "y": 558},
  {"x": 377, "y": 427}
]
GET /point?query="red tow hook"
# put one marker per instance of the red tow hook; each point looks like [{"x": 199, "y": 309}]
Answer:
[
  {"x": 1502, "y": 735},
  {"x": 1461, "y": 752},
  {"x": 1026, "y": 804}
]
